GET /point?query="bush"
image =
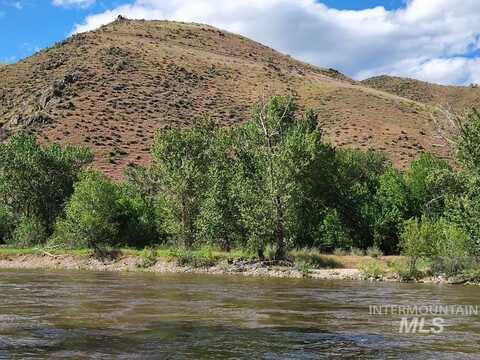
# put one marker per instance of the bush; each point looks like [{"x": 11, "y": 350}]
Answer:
[
  {"x": 270, "y": 252},
  {"x": 436, "y": 240},
  {"x": 374, "y": 252},
  {"x": 204, "y": 257},
  {"x": 405, "y": 270},
  {"x": 314, "y": 259},
  {"x": 92, "y": 214},
  {"x": 333, "y": 233},
  {"x": 6, "y": 224},
  {"x": 28, "y": 232},
  {"x": 356, "y": 252},
  {"x": 148, "y": 258},
  {"x": 372, "y": 269}
]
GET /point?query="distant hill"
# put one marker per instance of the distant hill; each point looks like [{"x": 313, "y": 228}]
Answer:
[
  {"x": 113, "y": 87},
  {"x": 459, "y": 98}
]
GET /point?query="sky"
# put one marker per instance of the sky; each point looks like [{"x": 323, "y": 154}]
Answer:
[{"x": 431, "y": 40}]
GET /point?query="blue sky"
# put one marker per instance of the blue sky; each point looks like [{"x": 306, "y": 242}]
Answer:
[{"x": 433, "y": 40}]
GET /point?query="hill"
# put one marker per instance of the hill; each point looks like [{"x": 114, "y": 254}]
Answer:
[
  {"x": 459, "y": 98},
  {"x": 112, "y": 88}
]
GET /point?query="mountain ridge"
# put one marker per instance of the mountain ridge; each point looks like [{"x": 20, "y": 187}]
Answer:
[{"x": 111, "y": 88}]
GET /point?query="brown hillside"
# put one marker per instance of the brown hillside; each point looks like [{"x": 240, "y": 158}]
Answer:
[
  {"x": 460, "y": 98},
  {"x": 111, "y": 88}
]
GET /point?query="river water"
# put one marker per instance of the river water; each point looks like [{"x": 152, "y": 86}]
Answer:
[{"x": 88, "y": 315}]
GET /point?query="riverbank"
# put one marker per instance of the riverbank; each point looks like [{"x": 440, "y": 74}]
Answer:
[
  {"x": 329, "y": 267},
  {"x": 135, "y": 263}
]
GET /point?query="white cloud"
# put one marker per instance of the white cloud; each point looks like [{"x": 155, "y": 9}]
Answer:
[
  {"x": 79, "y": 3},
  {"x": 428, "y": 39}
]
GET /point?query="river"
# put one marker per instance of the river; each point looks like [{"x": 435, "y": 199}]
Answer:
[{"x": 88, "y": 315}]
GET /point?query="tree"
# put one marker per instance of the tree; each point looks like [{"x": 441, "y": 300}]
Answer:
[
  {"x": 357, "y": 179},
  {"x": 136, "y": 201},
  {"x": 36, "y": 181},
  {"x": 468, "y": 151},
  {"x": 218, "y": 221},
  {"x": 92, "y": 217},
  {"x": 429, "y": 180},
  {"x": 392, "y": 208},
  {"x": 277, "y": 150},
  {"x": 181, "y": 162}
]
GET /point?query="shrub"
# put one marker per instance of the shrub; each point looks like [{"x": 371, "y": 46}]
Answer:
[
  {"x": 434, "y": 239},
  {"x": 304, "y": 267},
  {"x": 92, "y": 214},
  {"x": 204, "y": 257},
  {"x": 28, "y": 232},
  {"x": 340, "y": 252},
  {"x": 6, "y": 224},
  {"x": 270, "y": 252},
  {"x": 405, "y": 270},
  {"x": 148, "y": 258},
  {"x": 333, "y": 233},
  {"x": 314, "y": 259},
  {"x": 356, "y": 252},
  {"x": 372, "y": 269},
  {"x": 374, "y": 252}
]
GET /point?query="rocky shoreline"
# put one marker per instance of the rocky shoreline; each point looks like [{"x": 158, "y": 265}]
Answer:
[
  {"x": 132, "y": 263},
  {"x": 129, "y": 263}
]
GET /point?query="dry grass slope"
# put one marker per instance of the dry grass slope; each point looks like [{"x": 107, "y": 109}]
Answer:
[{"x": 112, "y": 88}]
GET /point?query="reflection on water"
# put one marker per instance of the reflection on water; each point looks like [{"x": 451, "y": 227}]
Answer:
[{"x": 83, "y": 315}]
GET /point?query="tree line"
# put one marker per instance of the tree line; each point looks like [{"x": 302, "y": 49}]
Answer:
[{"x": 270, "y": 182}]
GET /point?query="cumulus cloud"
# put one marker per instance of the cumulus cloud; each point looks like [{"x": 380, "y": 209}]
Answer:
[
  {"x": 428, "y": 39},
  {"x": 79, "y": 3}
]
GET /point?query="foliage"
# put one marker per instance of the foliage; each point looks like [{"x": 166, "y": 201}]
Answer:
[
  {"x": 36, "y": 181},
  {"x": 468, "y": 151},
  {"x": 434, "y": 239},
  {"x": 148, "y": 258},
  {"x": 374, "y": 252},
  {"x": 333, "y": 234},
  {"x": 6, "y": 224},
  {"x": 314, "y": 259},
  {"x": 372, "y": 269},
  {"x": 204, "y": 257},
  {"x": 29, "y": 232},
  {"x": 278, "y": 152},
  {"x": 356, "y": 184},
  {"x": 270, "y": 252},
  {"x": 181, "y": 162},
  {"x": 92, "y": 215}
]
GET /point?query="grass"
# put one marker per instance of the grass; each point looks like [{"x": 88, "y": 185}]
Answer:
[
  {"x": 373, "y": 269},
  {"x": 314, "y": 259},
  {"x": 304, "y": 259}
]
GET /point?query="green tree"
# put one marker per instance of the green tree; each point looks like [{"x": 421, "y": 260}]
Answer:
[
  {"x": 429, "y": 180},
  {"x": 181, "y": 162},
  {"x": 357, "y": 179},
  {"x": 92, "y": 217},
  {"x": 277, "y": 150},
  {"x": 28, "y": 232},
  {"x": 36, "y": 181},
  {"x": 468, "y": 151},
  {"x": 218, "y": 221},
  {"x": 392, "y": 208}
]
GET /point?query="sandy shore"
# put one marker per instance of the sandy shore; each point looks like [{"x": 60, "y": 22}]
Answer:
[{"x": 134, "y": 264}]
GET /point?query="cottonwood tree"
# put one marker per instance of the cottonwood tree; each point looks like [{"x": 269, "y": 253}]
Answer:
[
  {"x": 181, "y": 159},
  {"x": 277, "y": 151},
  {"x": 35, "y": 180}
]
